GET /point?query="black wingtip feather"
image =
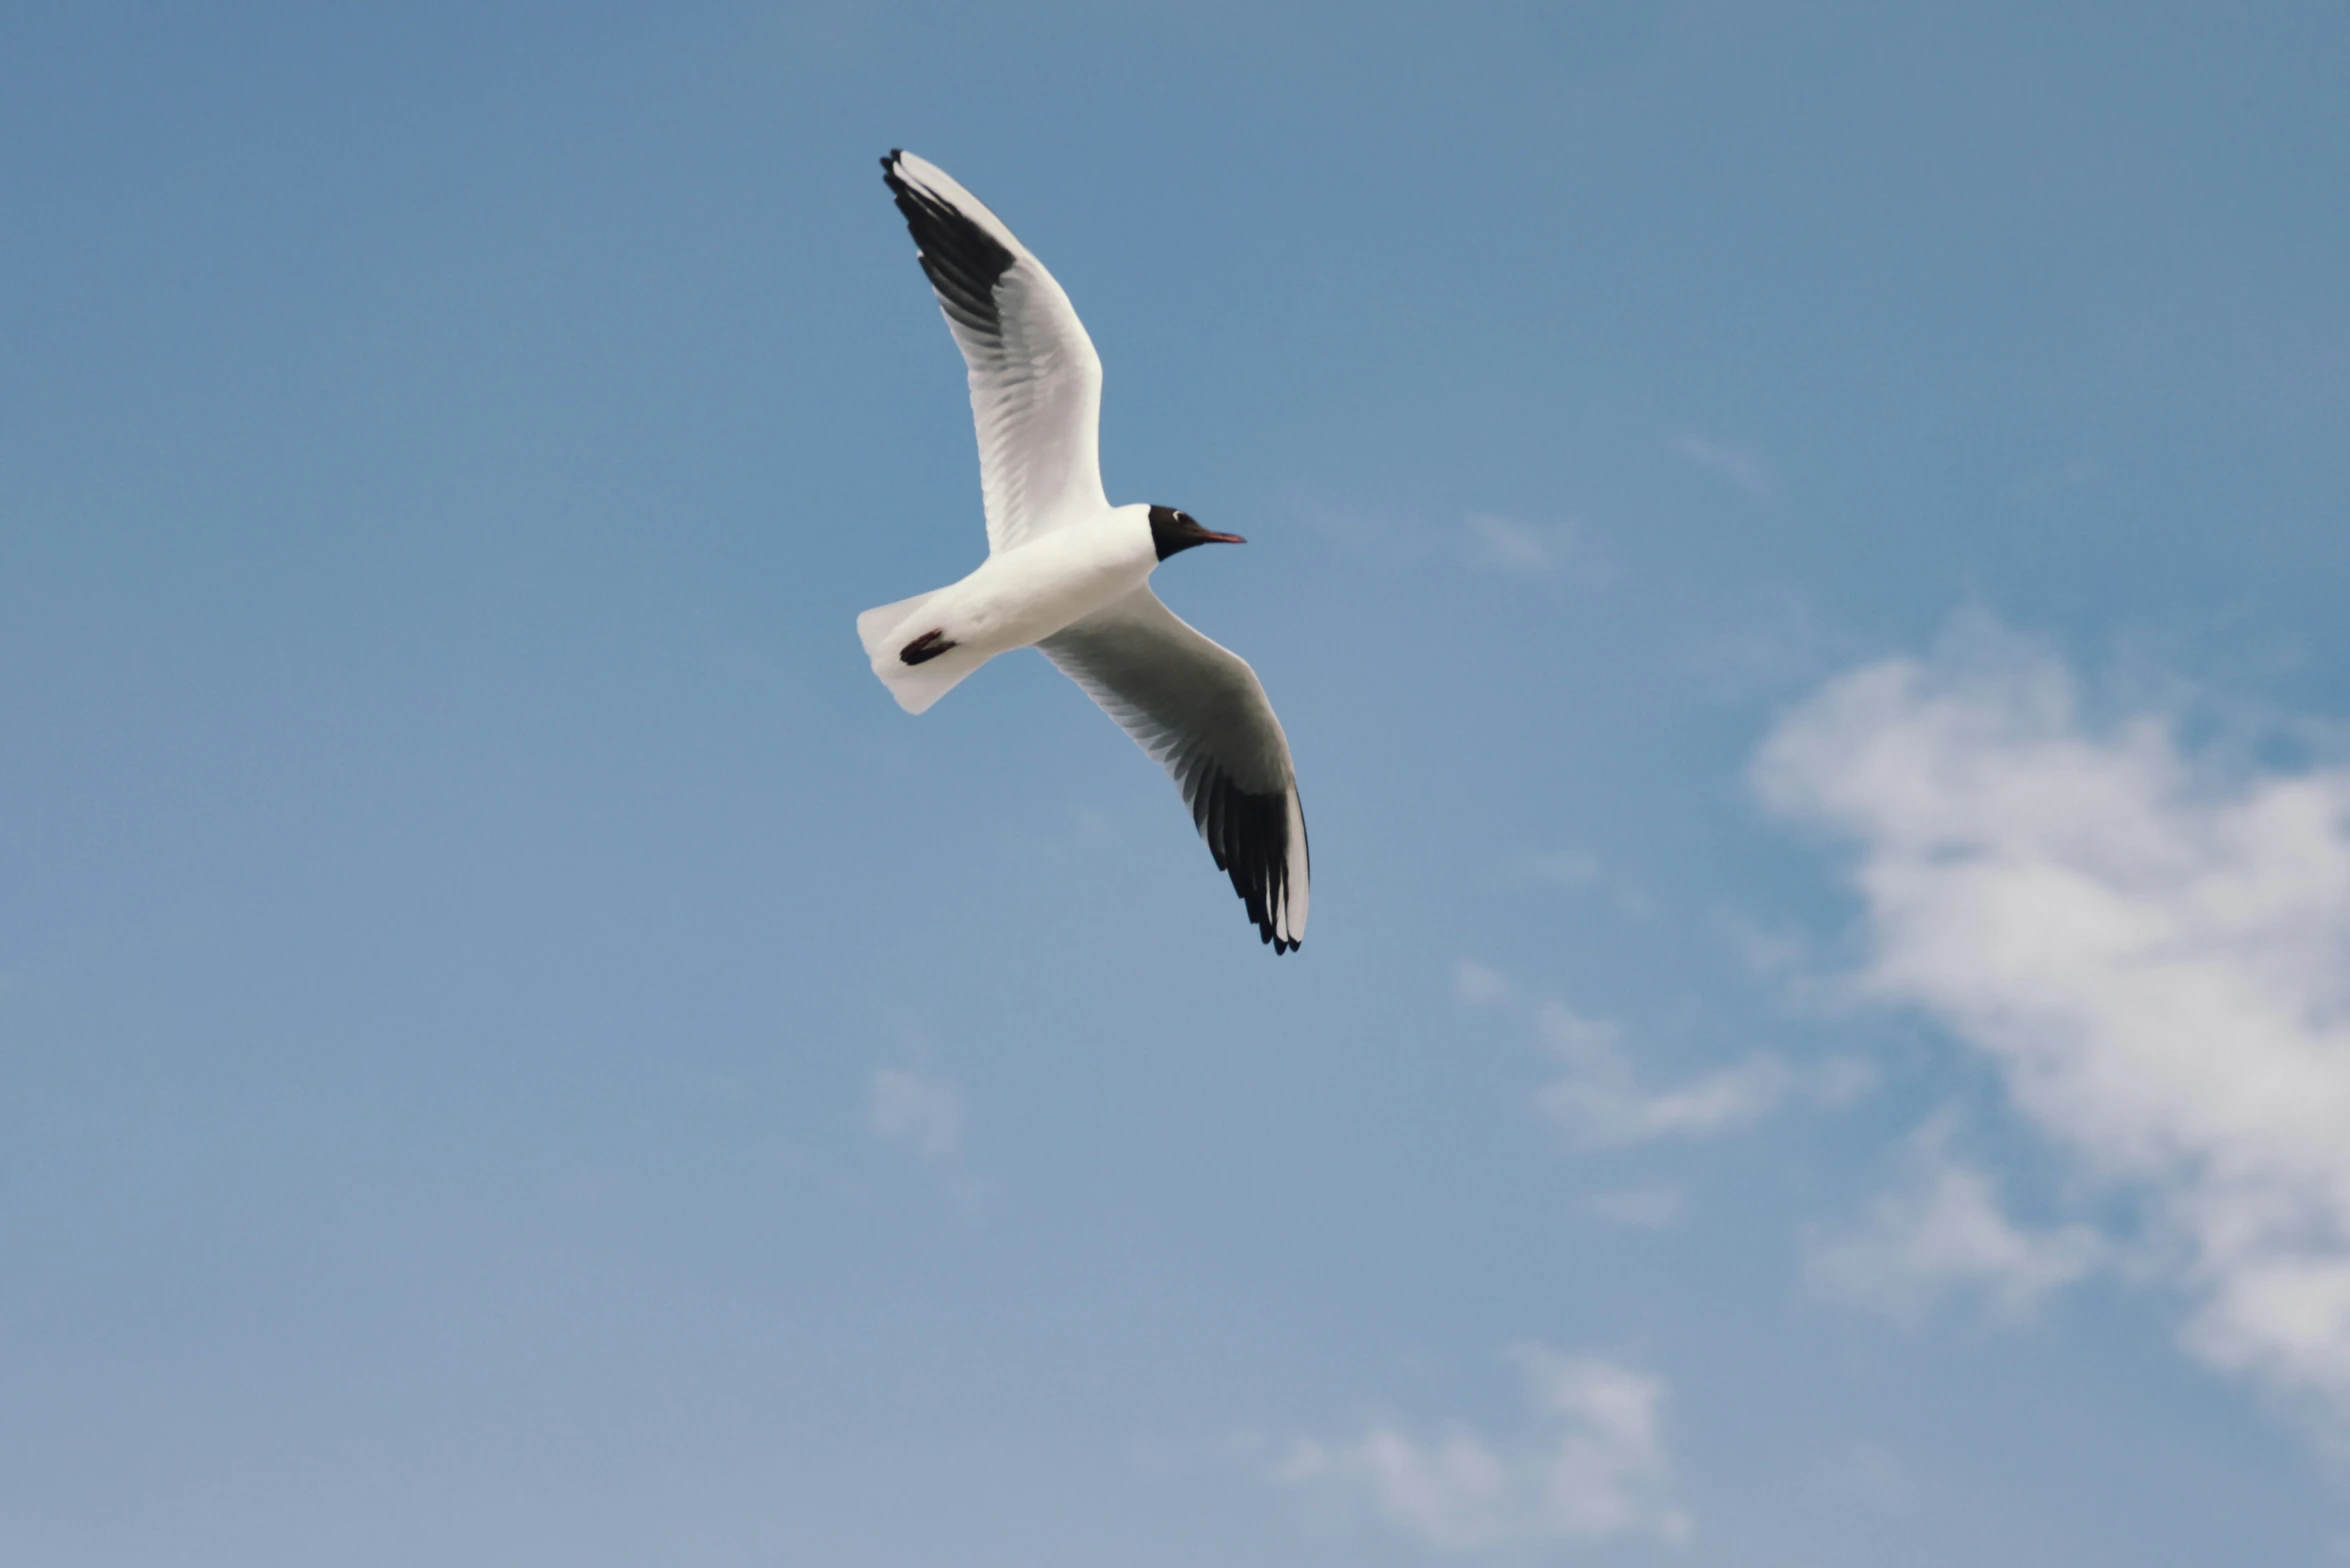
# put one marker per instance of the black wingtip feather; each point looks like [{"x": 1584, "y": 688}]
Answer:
[
  {"x": 962, "y": 260},
  {"x": 1248, "y": 837}
]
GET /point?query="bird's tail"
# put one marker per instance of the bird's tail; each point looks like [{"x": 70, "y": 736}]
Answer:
[{"x": 885, "y": 631}]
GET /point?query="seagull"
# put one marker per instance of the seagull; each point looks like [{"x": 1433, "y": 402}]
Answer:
[{"x": 1069, "y": 574}]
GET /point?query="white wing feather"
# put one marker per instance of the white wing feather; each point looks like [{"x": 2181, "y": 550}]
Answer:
[
  {"x": 1036, "y": 382},
  {"x": 1200, "y": 712}
]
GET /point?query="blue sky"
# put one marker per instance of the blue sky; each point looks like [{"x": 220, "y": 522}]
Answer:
[{"x": 1799, "y": 548}]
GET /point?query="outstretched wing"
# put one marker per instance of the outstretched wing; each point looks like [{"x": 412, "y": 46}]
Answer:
[
  {"x": 1036, "y": 383},
  {"x": 1201, "y": 713}
]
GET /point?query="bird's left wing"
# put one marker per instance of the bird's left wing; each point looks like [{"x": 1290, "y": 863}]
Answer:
[
  {"x": 1200, "y": 712},
  {"x": 1036, "y": 383}
]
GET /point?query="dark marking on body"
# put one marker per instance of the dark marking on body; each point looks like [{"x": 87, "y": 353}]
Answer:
[{"x": 926, "y": 647}]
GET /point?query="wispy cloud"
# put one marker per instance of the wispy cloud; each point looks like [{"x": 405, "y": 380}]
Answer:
[
  {"x": 2153, "y": 948},
  {"x": 1521, "y": 549},
  {"x": 1580, "y": 871},
  {"x": 1945, "y": 1232},
  {"x": 1590, "y": 1467},
  {"x": 1599, "y": 1101},
  {"x": 1741, "y": 467},
  {"x": 1600, "y": 1104},
  {"x": 1475, "y": 985},
  {"x": 917, "y": 1111},
  {"x": 1484, "y": 541}
]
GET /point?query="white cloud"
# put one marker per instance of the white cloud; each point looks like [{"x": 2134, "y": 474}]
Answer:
[
  {"x": 916, "y": 1110},
  {"x": 1600, "y": 1103},
  {"x": 1601, "y": 1106},
  {"x": 1592, "y": 1466},
  {"x": 1946, "y": 1231},
  {"x": 1741, "y": 468},
  {"x": 1517, "y": 548},
  {"x": 2153, "y": 948},
  {"x": 1478, "y": 986},
  {"x": 1592, "y": 1044}
]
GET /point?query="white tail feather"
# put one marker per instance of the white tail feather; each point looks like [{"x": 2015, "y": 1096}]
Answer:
[
  {"x": 875, "y": 625},
  {"x": 885, "y": 629}
]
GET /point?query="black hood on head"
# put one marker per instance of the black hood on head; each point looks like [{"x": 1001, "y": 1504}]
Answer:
[{"x": 1172, "y": 531}]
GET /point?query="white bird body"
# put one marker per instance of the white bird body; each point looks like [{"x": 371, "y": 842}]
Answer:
[
  {"x": 1016, "y": 599},
  {"x": 1069, "y": 574}
]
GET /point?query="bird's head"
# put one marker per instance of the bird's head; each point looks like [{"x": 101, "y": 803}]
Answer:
[{"x": 1172, "y": 531}]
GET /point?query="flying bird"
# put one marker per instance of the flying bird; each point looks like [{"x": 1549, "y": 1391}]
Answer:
[{"x": 1069, "y": 574}]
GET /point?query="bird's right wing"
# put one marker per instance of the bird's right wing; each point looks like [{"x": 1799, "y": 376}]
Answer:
[
  {"x": 1036, "y": 383},
  {"x": 1200, "y": 712}
]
